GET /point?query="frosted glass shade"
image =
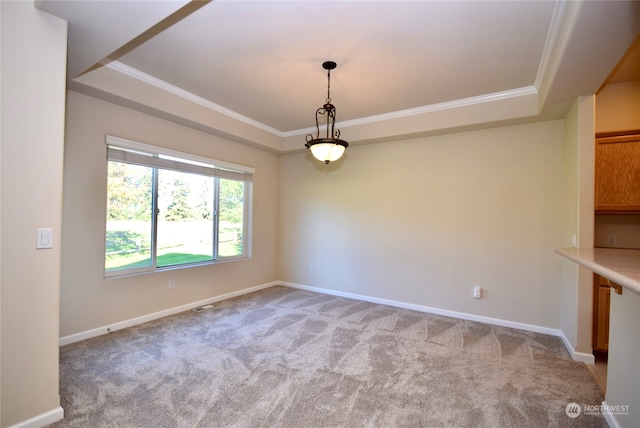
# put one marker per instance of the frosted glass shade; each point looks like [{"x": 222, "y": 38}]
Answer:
[{"x": 327, "y": 152}]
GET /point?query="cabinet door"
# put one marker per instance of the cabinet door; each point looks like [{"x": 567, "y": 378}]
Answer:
[
  {"x": 617, "y": 174},
  {"x": 602, "y": 337},
  {"x": 601, "y": 301}
]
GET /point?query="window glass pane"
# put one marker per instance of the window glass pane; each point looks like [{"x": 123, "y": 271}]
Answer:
[
  {"x": 129, "y": 225},
  {"x": 185, "y": 219},
  {"x": 231, "y": 219},
  {"x": 164, "y": 210}
]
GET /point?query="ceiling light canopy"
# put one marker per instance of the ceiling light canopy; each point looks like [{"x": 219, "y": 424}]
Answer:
[{"x": 329, "y": 148}]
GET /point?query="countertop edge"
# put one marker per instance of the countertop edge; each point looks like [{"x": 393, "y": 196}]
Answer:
[{"x": 588, "y": 257}]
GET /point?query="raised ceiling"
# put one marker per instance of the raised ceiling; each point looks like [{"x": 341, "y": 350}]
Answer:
[{"x": 251, "y": 70}]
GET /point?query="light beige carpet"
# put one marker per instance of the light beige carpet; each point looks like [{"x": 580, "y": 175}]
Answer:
[{"x": 283, "y": 357}]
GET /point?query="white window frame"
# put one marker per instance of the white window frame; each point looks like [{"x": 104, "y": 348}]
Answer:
[{"x": 136, "y": 153}]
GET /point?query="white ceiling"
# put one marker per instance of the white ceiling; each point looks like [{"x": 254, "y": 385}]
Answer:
[{"x": 256, "y": 65}]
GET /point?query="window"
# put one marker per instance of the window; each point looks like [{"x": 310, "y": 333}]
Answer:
[{"x": 167, "y": 209}]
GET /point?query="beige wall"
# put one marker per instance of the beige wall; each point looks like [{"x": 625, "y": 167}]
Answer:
[
  {"x": 422, "y": 221},
  {"x": 88, "y": 300},
  {"x": 618, "y": 107},
  {"x": 33, "y": 91},
  {"x": 586, "y": 162},
  {"x": 577, "y": 284},
  {"x": 623, "y": 376},
  {"x": 625, "y": 229},
  {"x": 422, "y": 225},
  {"x": 569, "y": 283}
]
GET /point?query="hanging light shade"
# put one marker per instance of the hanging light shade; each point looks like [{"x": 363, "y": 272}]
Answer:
[{"x": 330, "y": 147}]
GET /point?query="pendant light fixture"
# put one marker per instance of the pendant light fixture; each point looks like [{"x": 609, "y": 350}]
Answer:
[{"x": 329, "y": 148}]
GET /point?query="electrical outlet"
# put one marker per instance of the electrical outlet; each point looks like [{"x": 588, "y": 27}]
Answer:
[
  {"x": 310, "y": 267},
  {"x": 611, "y": 239},
  {"x": 172, "y": 284}
]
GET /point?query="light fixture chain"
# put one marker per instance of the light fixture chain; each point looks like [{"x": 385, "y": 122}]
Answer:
[
  {"x": 330, "y": 147},
  {"x": 329, "y": 86}
]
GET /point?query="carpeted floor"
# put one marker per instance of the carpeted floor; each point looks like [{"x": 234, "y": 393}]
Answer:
[{"x": 283, "y": 357}]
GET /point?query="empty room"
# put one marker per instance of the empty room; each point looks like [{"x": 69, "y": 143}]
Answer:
[{"x": 320, "y": 213}]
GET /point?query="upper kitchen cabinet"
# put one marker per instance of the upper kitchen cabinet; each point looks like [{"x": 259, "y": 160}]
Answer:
[
  {"x": 617, "y": 151},
  {"x": 617, "y": 173}
]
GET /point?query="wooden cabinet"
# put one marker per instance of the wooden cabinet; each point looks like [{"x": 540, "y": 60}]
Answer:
[
  {"x": 601, "y": 296},
  {"x": 617, "y": 173}
]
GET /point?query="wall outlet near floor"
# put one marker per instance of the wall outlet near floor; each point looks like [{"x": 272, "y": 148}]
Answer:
[
  {"x": 172, "y": 284},
  {"x": 310, "y": 267},
  {"x": 611, "y": 239},
  {"x": 477, "y": 292}
]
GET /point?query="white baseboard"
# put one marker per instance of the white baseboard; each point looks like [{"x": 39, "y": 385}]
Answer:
[
  {"x": 66, "y": 340},
  {"x": 610, "y": 417},
  {"x": 42, "y": 420},
  {"x": 577, "y": 356},
  {"x": 444, "y": 312}
]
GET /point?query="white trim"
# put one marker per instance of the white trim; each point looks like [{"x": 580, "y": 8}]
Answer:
[
  {"x": 179, "y": 92},
  {"x": 448, "y": 105},
  {"x": 174, "y": 90},
  {"x": 577, "y": 356},
  {"x": 560, "y": 32},
  {"x": 42, "y": 419},
  {"x": 552, "y": 40},
  {"x": 611, "y": 419},
  {"x": 66, "y": 340},
  {"x": 430, "y": 310}
]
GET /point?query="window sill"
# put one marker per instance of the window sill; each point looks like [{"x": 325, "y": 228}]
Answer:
[{"x": 116, "y": 275}]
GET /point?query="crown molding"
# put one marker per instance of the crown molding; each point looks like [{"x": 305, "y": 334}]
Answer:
[
  {"x": 553, "y": 35},
  {"x": 563, "y": 22},
  {"x": 174, "y": 90},
  {"x": 431, "y": 108},
  {"x": 407, "y": 113}
]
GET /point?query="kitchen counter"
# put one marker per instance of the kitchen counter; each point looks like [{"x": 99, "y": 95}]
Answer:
[{"x": 617, "y": 265}]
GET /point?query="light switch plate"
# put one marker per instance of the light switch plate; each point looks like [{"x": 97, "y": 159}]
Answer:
[{"x": 44, "y": 239}]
